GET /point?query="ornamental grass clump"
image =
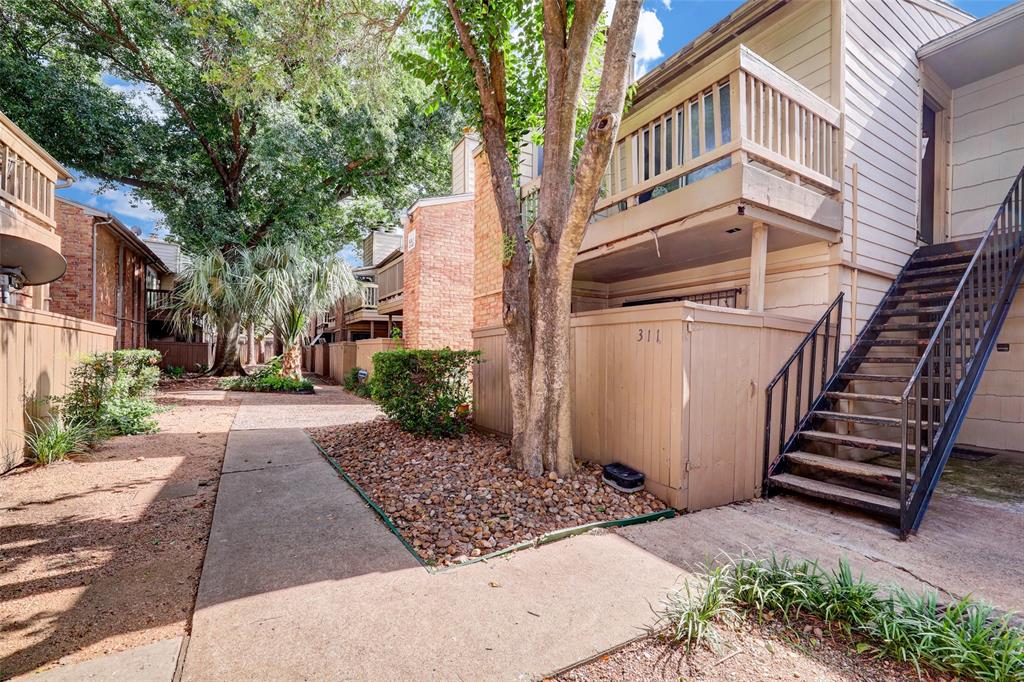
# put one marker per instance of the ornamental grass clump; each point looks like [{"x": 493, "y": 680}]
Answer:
[
  {"x": 426, "y": 392},
  {"x": 965, "y": 638},
  {"x": 53, "y": 438}
]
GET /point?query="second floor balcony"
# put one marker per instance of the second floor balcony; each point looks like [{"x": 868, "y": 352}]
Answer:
[
  {"x": 362, "y": 305},
  {"x": 29, "y": 243},
  {"x": 737, "y": 143}
]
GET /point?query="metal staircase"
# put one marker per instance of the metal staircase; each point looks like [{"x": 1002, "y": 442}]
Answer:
[{"x": 874, "y": 430}]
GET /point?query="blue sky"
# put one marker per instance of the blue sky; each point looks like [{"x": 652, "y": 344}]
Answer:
[{"x": 665, "y": 26}]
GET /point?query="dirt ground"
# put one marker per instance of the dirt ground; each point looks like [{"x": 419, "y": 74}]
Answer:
[
  {"x": 103, "y": 553},
  {"x": 747, "y": 653}
]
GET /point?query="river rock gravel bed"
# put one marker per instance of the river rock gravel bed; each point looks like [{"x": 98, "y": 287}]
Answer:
[{"x": 457, "y": 498}]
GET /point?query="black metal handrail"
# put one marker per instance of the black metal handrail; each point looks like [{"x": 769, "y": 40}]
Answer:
[
  {"x": 830, "y": 349},
  {"x": 956, "y": 354}
]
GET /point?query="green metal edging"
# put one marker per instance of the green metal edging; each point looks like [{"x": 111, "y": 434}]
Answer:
[{"x": 546, "y": 538}]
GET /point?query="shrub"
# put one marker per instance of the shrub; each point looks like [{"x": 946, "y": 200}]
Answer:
[
  {"x": 53, "y": 438},
  {"x": 112, "y": 392},
  {"x": 425, "y": 391},
  {"x": 351, "y": 382},
  {"x": 267, "y": 383},
  {"x": 175, "y": 372}
]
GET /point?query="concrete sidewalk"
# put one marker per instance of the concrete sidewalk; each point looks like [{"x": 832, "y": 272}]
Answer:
[{"x": 303, "y": 582}]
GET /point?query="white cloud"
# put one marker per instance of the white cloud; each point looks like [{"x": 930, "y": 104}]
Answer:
[
  {"x": 649, "y": 32},
  {"x": 647, "y": 46}
]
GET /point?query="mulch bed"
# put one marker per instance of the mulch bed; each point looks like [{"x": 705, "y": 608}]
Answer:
[{"x": 458, "y": 498}]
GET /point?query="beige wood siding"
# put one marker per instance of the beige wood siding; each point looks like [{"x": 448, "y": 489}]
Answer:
[
  {"x": 674, "y": 390},
  {"x": 39, "y": 351},
  {"x": 796, "y": 284},
  {"x": 988, "y": 148},
  {"x": 988, "y": 152},
  {"x": 882, "y": 105}
]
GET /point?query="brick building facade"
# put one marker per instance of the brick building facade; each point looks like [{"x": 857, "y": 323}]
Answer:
[
  {"x": 487, "y": 276},
  {"x": 438, "y": 287},
  {"x": 107, "y": 271}
]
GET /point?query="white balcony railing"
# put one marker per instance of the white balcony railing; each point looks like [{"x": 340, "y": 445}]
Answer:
[
  {"x": 363, "y": 301},
  {"x": 740, "y": 108},
  {"x": 27, "y": 180}
]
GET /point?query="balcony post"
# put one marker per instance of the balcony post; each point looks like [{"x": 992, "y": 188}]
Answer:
[{"x": 758, "y": 267}]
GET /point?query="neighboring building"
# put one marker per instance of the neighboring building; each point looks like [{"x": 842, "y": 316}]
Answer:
[
  {"x": 40, "y": 346},
  {"x": 794, "y": 152},
  {"x": 357, "y": 317},
  {"x": 109, "y": 266}
]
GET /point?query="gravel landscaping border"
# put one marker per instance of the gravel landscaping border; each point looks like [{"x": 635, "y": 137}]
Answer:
[{"x": 546, "y": 538}]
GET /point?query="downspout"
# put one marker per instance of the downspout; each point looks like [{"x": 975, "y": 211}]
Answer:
[{"x": 119, "y": 303}]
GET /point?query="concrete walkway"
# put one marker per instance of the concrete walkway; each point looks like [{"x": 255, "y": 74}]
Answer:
[{"x": 302, "y": 581}]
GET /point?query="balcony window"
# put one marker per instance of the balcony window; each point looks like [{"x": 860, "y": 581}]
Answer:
[
  {"x": 725, "y": 113},
  {"x": 709, "y": 121},
  {"x": 668, "y": 142},
  {"x": 647, "y": 155},
  {"x": 694, "y": 129},
  {"x": 681, "y": 126},
  {"x": 657, "y": 148}
]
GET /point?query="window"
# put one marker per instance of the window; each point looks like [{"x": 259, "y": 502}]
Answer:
[
  {"x": 657, "y": 148},
  {"x": 681, "y": 126},
  {"x": 694, "y": 129},
  {"x": 647, "y": 155},
  {"x": 725, "y": 113},
  {"x": 668, "y": 142},
  {"x": 709, "y": 121}
]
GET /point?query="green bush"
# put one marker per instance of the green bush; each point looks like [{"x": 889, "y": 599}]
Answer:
[
  {"x": 174, "y": 371},
  {"x": 267, "y": 383},
  {"x": 352, "y": 383},
  {"x": 426, "y": 391},
  {"x": 112, "y": 392},
  {"x": 53, "y": 438}
]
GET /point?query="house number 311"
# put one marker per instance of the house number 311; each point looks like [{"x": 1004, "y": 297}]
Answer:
[{"x": 645, "y": 335}]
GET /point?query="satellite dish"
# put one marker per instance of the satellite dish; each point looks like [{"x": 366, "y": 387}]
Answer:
[{"x": 38, "y": 263}]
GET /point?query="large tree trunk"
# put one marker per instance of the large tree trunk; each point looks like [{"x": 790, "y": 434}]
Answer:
[
  {"x": 537, "y": 291},
  {"x": 291, "y": 361},
  {"x": 225, "y": 352}
]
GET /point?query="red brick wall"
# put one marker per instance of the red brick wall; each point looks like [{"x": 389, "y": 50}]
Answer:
[
  {"x": 487, "y": 250},
  {"x": 72, "y": 293},
  {"x": 438, "y": 287}
]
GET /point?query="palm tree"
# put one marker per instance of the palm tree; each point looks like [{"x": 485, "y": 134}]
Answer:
[
  {"x": 292, "y": 286},
  {"x": 216, "y": 290}
]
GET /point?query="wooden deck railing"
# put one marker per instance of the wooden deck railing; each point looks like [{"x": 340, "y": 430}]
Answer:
[
  {"x": 27, "y": 180},
  {"x": 157, "y": 298},
  {"x": 739, "y": 109},
  {"x": 366, "y": 299},
  {"x": 390, "y": 280}
]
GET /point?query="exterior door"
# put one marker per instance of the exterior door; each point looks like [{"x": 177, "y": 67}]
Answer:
[{"x": 926, "y": 198}]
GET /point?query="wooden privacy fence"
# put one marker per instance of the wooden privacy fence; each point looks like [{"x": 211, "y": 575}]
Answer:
[
  {"x": 366, "y": 348},
  {"x": 185, "y": 354},
  {"x": 674, "y": 390},
  {"x": 343, "y": 359},
  {"x": 38, "y": 350}
]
